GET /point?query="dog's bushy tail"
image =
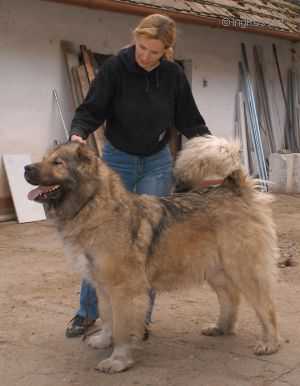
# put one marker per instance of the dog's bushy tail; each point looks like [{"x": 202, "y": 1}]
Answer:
[{"x": 210, "y": 158}]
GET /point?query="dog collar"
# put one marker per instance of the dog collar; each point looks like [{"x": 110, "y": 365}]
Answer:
[{"x": 207, "y": 183}]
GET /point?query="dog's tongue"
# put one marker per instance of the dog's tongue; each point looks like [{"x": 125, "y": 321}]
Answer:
[{"x": 33, "y": 194}]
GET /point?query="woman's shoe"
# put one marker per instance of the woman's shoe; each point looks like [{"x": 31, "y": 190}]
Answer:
[{"x": 78, "y": 326}]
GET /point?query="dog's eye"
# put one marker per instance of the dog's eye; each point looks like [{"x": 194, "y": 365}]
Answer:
[{"x": 57, "y": 161}]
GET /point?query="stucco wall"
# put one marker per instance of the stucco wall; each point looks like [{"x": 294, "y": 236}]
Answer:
[{"x": 31, "y": 65}]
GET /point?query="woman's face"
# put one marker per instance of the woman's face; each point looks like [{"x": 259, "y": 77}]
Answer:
[{"x": 148, "y": 52}]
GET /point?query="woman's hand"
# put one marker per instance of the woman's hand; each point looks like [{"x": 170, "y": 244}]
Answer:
[{"x": 77, "y": 138}]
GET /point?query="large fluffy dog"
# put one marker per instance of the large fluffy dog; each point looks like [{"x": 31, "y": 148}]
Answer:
[{"x": 222, "y": 233}]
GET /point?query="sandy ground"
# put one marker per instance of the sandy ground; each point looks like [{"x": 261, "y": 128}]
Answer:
[{"x": 39, "y": 293}]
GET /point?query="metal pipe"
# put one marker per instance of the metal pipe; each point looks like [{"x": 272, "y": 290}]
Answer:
[
  {"x": 61, "y": 114},
  {"x": 253, "y": 115},
  {"x": 254, "y": 129},
  {"x": 263, "y": 98}
]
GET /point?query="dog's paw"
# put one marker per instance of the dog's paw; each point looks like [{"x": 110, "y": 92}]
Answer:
[
  {"x": 100, "y": 340},
  {"x": 111, "y": 365},
  {"x": 266, "y": 348},
  {"x": 212, "y": 331}
]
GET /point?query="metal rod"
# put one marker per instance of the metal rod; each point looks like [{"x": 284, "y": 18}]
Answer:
[
  {"x": 262, "y": 91},
  {"x": 243, "y": 136},
  {"x": 281, "y": 83},
  {"x": 61, "y": 114},
  {"x": 253, "y": 118},
  {"x": 253, "y": 115}
]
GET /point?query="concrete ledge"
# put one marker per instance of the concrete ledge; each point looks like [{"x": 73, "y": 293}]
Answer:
[{"x": 284, "y": 172}]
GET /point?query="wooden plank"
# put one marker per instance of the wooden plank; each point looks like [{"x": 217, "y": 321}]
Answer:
[
  {"x": 99, "y": 139},
  {"x": 87, "y": 61},
  {"x": 83, "y": 80},
  {"x": 78, "y": 89},
  {"x": 71, "y": 60},
  {"x": 79, "y": 82},
  {"x": 87, "y": 58},
  {"x": 26, "y": 210},
  {"x": 7, "y": 211},
  {"x": 83, "y": 84}
]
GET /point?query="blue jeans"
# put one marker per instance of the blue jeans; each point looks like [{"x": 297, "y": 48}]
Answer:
[{"x": 151, "y": 175}]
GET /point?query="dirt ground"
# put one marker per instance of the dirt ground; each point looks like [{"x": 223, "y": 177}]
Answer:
[{"x": 39, "y": 293}]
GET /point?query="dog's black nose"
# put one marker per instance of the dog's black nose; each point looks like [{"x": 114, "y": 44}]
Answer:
[
  {"x": 31, "y": 173},
  {"x": 29, "y": 168}
]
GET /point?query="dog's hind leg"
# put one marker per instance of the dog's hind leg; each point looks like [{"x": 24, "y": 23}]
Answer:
[
  {"x": 229, "y": 299},
  {"x": 256, "y": 287},
  {"x": 103, "y": 338},
  {"x": 128, "y": 323}
]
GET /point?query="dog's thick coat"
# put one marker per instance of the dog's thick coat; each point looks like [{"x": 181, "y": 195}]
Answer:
[{"x": 223, "y": 234}]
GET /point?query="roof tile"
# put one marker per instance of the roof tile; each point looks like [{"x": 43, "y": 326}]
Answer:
[{"x": 277, "y": 15}]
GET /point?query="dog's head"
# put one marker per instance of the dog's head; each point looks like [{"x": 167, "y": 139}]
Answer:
[{"x": 61, "y": 173}]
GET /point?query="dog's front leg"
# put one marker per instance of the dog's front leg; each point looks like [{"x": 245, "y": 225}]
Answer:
[
  {"x": 103, "y": 338},
  {"x": 128, "y": 326}
]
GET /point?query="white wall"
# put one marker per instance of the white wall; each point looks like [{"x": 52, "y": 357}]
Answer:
[{"x": 31, "y": 65}]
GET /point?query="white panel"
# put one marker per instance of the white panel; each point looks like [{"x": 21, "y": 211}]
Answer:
[{"x": 26, "y": 210}]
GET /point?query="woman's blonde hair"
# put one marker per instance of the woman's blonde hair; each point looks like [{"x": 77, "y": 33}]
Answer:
[{"x": 159, "y": 27}]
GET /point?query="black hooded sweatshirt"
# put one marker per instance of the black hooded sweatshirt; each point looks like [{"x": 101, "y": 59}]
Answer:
[{"x": 139, "y": 107}]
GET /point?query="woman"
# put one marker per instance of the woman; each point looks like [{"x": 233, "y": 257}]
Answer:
[{"x": 141, "y": 95}]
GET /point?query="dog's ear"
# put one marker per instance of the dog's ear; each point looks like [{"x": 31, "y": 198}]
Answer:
[{"x": 84, "y": 153}]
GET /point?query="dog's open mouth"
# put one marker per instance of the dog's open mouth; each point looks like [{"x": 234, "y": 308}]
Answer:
[{"x": 44, "y": 193}]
